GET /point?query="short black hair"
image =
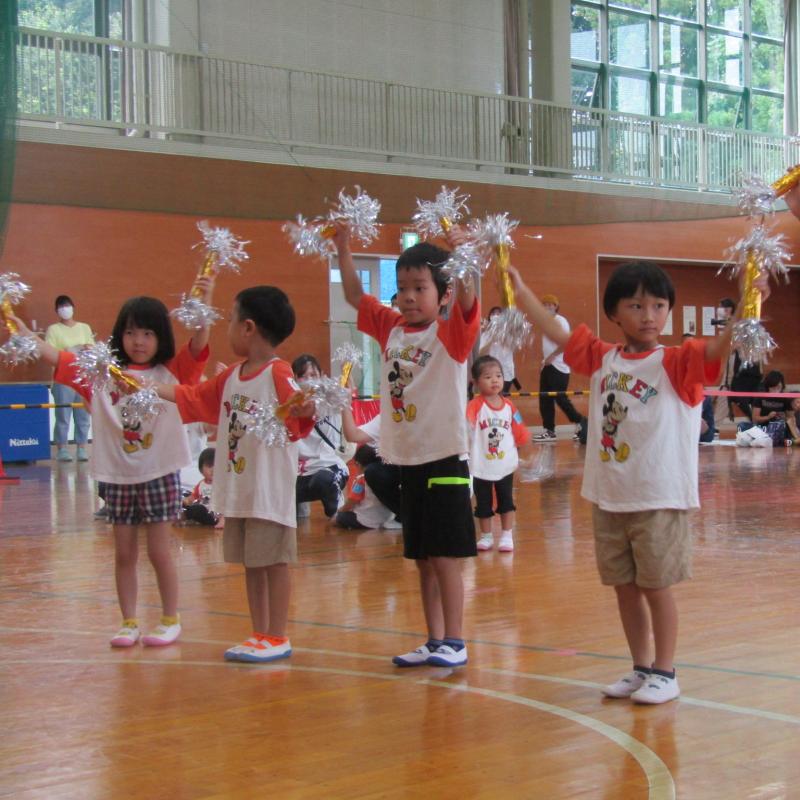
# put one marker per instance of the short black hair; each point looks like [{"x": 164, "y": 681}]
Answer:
[
  {"x": 481, "y": 362},
  {"x": 63, "y": 300},
  {"x": 206, "y": 458},
  {"x": 774, "y": 378},
  {"x": 365, "y": 454},
  {"x": 726, "y": 302},
  {"x": 425, "y": 255},
  {"x": 149, "y": 313},
  {"x": 628, "y": 278},
  {"x": 493, "y": 309},
  {"x": 270, "y": 310},
  {"x": 300, "y": 364}
]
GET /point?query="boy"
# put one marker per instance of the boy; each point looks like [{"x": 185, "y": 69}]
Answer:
[
  {"x": 197, "y": 504},
  {"x": 423, "y": 428},
  {"x": 255, "y": 489},
  {"x": 641, "y": 460},
  {"x": 361, "y": 509}
]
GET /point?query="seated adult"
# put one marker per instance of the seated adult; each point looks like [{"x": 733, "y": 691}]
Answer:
[
  {"x": 775, "y": 415},
  {"x": 708, "y": 428}
]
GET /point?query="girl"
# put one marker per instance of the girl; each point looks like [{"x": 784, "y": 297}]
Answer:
[
  {"x": 497, "y": 431},
  {"x": 321, "y": 472},
  {"x": 139, "y": 461}
]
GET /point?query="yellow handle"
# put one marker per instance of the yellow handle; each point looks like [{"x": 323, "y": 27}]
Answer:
[
  {"x": 787, "y": 182},
  {"x": 502, "y": 262},
  {"x": 7, "y": 310},
  {"x": 297, "y": 399},
  {"x": 445, "y": 223},
  {"x": 125, "y": 380},
  {"x": 751, "y": 296},
  {"x": 209, "y": 268},
  {"x": 347, "y": 368}
]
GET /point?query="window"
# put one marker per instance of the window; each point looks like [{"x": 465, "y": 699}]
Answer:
[
  {"x": 87, "y": 17},
  {"x": 718, "y": 62}
]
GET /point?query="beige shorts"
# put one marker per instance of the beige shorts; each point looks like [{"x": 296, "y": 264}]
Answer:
[
  {"x": 258, "y": 542},
  {"x": 652, "y": 549}
]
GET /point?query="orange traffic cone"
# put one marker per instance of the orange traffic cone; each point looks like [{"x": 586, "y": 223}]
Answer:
[{"x": 6, "y": 480}]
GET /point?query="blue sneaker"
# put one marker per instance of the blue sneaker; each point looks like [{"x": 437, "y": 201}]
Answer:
[
  {"x": 416, "y": 658},
  {"x": 445, "y": 656}
]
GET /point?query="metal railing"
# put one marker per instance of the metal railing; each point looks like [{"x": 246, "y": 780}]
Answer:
[{"x": 149, "y": 90}]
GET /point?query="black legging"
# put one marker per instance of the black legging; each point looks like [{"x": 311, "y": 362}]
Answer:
[
  {"x": 553, "y": 380},
  {"x": 384, "y": 480}
]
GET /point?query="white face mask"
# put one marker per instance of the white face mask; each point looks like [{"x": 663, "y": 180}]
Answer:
[{"x": 65, "y": 312}]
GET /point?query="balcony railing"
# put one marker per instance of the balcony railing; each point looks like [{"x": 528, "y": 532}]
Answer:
[{"x": 152, "y": 91}]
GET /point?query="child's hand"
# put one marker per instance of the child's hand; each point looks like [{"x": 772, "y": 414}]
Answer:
[
  {"x": 205, "y": 285},
  {"x": 341, "y": 236},
  {"x": 23, "y": 328},
  {"x": 516, "y": 279},
  {"x": 761, "y": 283},
  {"x": 219, "y": 368},
  {"x": 307, "y": 409},
  {"x": 455, "y": 236}
]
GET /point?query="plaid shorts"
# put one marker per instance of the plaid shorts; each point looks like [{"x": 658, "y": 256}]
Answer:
[{"x": 158, "y": 500}]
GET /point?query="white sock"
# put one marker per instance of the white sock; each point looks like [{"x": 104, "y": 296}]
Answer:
[{"x": 507, "y": 533}]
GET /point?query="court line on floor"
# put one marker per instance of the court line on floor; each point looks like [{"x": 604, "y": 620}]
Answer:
[
  {"x": 534, "y": 676},
  {"x": 659, "y": 779}
]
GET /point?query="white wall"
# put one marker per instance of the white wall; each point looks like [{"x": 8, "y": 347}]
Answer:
[{"x": 451, "y": 44}]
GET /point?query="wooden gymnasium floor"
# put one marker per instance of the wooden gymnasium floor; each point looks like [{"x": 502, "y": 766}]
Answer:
[{"x": 525, "y": 719}]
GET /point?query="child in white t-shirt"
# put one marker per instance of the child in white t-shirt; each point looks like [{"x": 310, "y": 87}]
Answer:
[
  {"x": 496, "y": 434},
  {"x": 361, "y": 509}
]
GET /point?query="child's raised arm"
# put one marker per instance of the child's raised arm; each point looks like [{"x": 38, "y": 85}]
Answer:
[
  {"x": 199, "y": 340},
  {"x": 351, "y": 283},
  {"x": 536, "y": 312},
  {"x": 48, "y": 353},
  {"x": 465, "y": 290}
]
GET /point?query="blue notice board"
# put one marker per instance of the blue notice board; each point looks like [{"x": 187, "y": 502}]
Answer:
[{"x": 24, "y": 434}]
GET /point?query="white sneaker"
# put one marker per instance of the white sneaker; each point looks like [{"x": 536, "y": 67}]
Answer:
[
  {"x": 416, "y": 658},
  {"x": 626, "y": 685},
  {"x": 162, "y": 635},
  {"x": 232, "y": 653},
  {"x": 392, "y": 524},
  {"x": 263, "y": 652},
  {"x": 657, "y": 689},
  {"x": 445, "y": 656},
  {"x": 486, "y": 542},
  {"x": 126, "y": 636},
  {"x": 506, "y": 544},
  {"x": 544, "y": 436}
]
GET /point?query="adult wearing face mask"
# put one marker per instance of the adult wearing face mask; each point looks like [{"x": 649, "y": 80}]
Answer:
[{"x": 67, "y": 334}]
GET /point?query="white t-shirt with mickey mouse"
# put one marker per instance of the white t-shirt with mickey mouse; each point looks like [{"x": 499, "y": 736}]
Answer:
[{"x": 495, "y": 435}]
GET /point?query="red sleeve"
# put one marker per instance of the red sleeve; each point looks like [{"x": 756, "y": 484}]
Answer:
[
  {"x": 584, "y": 351},
  {"x": 185, "y": 367},
  {"x": 285, "y": 387},
  {"x": 376, "y": 320},
  {"x": 459, "y": 331},
  {"x": 67, "y": 374},
  {"x": 689, "y": 371},
  {"x": 518, "y": 428},
  {"x": 196, "y": 491},
  {"x": 200, "y": 402},
  {"x": 473, "y": 409}
]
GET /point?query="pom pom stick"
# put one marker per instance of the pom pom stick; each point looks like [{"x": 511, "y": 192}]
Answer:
[
  {"x": 510, "y": 328},
  {"x": 787, "y": 182},
  {"x": 435, "y": 217},
  {"x": 223, "y": 251},
  {"x": 756, "y": 197},
  {"x": 307, "y": 237},
  {"x": 349, "y": 356},
  {"x": 267, "y": 426},
  {"x": 20, "y": 348},
  {"x": 97, "y": 368}
]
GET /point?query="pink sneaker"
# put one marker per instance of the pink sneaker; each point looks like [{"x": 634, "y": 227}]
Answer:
[
  {"x": 126, "y": 636},
  {"x": 162, "y": 635}
]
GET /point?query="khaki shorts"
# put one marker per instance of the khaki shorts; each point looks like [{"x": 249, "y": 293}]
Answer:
[
  {"x": 258, "y": 542},
  {"x": 652, "y": 549}
]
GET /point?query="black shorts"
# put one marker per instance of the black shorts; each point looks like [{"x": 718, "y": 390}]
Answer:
[
  {"x": 437, "y": 517},
  {"x": 503, "y": 490}
]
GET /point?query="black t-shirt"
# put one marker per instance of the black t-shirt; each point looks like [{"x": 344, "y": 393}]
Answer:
[{"x": 781, "y": 405}]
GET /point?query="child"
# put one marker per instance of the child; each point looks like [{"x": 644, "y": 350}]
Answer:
[
  {"x": 361, "y": 509},
  {"x": 641, "y": 461},
  {"x": 197, "y": 505},
  {"x": 497, "y": 431},
  {"x": 255, "y": 490},
  {"x": 423, "y": 428},
  {"x": 322, "y": 473},
  {"x": 139, "y": 462}
]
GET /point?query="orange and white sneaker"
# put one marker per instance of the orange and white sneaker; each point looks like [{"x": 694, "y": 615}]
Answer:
[
  {"x": 264, "y": 651},
  {"x": 163, "y": 634},
  {"x": 127, "y": 635},
  {"x": 232, "y": 653}
]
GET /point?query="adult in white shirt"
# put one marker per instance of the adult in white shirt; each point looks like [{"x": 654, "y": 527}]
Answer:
[
  {"x": 554, "y": 377},
  {"x": 67, "y": 334}
]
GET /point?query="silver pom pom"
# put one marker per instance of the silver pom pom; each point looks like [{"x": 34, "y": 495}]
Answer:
[
  {"x": 19, "y": 349},
  {"x": 348, "y": 353},
  {"x": 93, "y": 366},
  {"x": 307, "y": 239},
  {"x": 329, "y": 396},
  {"x": 194, "y": 314},
  {"x": 770, "y": 252},
  {"x": 266, "y": 427},
  {"x": 510, "y": 329},
  {"x": 755, "y": 197},
  {"x": 142, "y": 405},
  {"x": 361, "y": 213},
  {"x": 492, "y": 231},
  {"x": 467, "y": 262},
  {"x": 12, "y": 288},
  {"x": 448, "y": 205},
  {"x": 229, "y": 250},
  {"x": 752, "y": 341}
]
